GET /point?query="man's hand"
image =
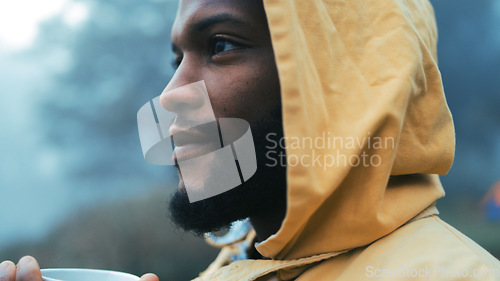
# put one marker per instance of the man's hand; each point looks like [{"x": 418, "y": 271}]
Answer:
[
  {"x": 27, "y": 269},
  {"x": 145, "y": 277}
]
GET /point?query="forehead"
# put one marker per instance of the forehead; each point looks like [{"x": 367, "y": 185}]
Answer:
[{"x": 191, "y": 13}]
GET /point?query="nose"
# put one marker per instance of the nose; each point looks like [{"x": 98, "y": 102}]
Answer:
[{"x": 182, "y": 95}]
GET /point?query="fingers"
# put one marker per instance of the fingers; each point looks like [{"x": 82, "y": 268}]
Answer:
[
  {"x": 149, "y": 277},
  {"x": 28, "y": 270},
  {"x": 7, "y": 271}
]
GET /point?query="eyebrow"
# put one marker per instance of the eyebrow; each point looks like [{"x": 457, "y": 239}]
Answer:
[
  {"x": 212, "y": 20},
  {"x": 205, "y": 23}
]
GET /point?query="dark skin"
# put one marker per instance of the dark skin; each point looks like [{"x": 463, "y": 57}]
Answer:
[{"x": 227, "y": 44}]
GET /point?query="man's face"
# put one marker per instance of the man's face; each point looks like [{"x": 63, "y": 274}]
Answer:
[{"x": 226, "y": 43}]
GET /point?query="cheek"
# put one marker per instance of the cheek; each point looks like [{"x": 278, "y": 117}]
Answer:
[{"x": 247, "y": 92}]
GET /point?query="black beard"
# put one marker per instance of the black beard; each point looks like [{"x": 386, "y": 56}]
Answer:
[{"x": 263, "y": 193}]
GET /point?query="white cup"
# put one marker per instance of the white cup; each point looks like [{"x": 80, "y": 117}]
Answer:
[{"x": 82, "y": 274}]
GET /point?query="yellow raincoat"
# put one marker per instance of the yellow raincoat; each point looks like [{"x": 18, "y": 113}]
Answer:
[{"x": 362, "y": 70}]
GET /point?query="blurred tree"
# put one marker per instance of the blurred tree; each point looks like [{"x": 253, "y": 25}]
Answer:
[
  {"x": 132, "y": 236},
  {"x": 469, "y": 59},
  {"x": 111, "y": 64}
]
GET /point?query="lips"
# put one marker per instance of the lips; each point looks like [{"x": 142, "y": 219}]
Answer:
[
  {"x": 193, "y": 150},
  {"x": 194, "y": 142}
]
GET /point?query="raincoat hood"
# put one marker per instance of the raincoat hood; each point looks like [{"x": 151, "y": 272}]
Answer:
[
  {"x": 361, "y": 75},
  {"x": 361, "y": 90}
]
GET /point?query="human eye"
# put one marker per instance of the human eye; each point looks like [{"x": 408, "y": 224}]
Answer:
[
  {"x": 176, "y": 62},
  {"x": 219, "y": 45}
]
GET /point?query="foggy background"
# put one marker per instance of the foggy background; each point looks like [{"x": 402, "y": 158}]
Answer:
[{"x": 75, "y": 190}]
